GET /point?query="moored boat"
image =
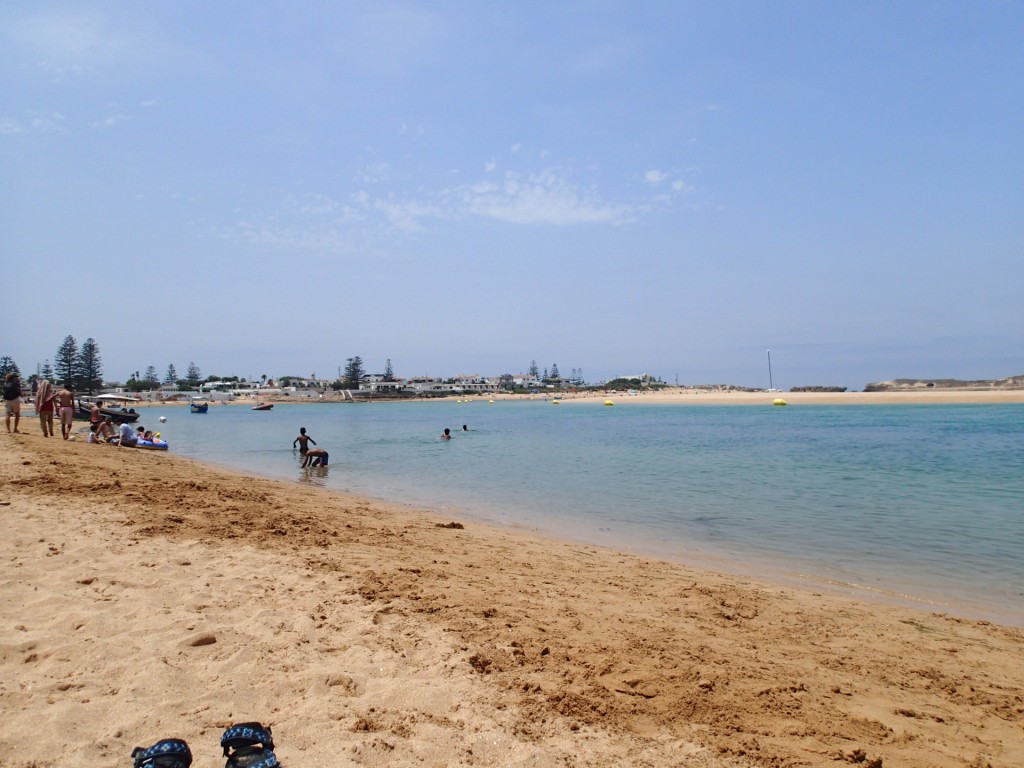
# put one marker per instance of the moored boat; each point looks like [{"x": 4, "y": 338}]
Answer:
[
  {"x": 263, "y": 406},
  {"x": 118, "y": 414}
]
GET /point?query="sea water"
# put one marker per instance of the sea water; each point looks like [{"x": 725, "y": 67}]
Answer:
[{"x": 919, "y": 502}]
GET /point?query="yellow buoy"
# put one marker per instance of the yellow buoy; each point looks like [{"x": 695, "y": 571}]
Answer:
[
  {"x": 491, "y": 402},
  {"x": 609, "y": 402},
  {"x": 778, "y": 401}
]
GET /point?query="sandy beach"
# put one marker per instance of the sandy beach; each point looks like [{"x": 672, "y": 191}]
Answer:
[{"x": 145, "y": 596}]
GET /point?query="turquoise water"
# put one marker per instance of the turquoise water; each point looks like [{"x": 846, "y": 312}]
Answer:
[{"x": 919, "y": 502}]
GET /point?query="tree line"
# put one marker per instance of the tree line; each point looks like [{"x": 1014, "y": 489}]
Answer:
[
  {"x": 77, "y": 366},
  {"x": 81, "y": 367}
]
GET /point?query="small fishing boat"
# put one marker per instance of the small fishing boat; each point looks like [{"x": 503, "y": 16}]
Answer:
[
  {"x": 110, "y": 405},
  {"x": 263, "y": 406},
  {"x": 198, "y": 407}
]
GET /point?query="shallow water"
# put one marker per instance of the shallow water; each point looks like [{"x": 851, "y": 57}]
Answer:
[{"x": 922, "y": 501}]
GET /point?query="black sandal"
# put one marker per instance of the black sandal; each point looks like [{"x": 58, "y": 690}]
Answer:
[
  {"x": 249, "y": 745},
  {"x": 169, "y": 753}
]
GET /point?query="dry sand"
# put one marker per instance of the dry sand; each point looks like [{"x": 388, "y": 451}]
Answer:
[{"x": 144, "y": 596}]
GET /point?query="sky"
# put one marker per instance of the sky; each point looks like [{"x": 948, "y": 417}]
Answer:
[{"x": 672, "y": 188}]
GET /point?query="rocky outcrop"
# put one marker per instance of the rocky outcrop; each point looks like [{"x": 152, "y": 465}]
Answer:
[{"x": 905, "y": 385}]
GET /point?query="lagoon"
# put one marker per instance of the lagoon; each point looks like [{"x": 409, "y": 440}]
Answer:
[{"x": 917, "y": 503}]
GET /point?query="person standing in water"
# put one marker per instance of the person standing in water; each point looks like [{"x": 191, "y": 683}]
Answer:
[{"x": 303, "y": 441}]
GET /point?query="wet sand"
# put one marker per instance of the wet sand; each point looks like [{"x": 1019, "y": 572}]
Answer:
[{"x": 145, "y": 596}]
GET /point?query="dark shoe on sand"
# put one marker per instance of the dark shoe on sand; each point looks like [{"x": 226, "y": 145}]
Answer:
[
  {"x": 169, "y": 753},
  {"x": 249, "y": 745}
]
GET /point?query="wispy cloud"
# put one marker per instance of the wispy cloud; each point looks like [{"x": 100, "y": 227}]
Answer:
[
  {"x": 9, "y": 127},
  {"x": 110, "y": 121},
  {"x": 53, "y": 122},
  {"x": 540, "y": 198},
  {"x": 380, "y": 209}
]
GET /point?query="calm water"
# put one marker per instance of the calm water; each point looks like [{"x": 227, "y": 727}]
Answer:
[{"x": 925, "y": 502}]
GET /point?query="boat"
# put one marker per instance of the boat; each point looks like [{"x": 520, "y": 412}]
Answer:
[
  {"x": 262, "y": 406},
  {"x": 108, "y": 407},
  {"x": 198, "y": 407}
]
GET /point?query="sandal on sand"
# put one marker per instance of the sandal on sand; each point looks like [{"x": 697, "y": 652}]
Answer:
[
  {"x": 169, "y": 753},
  {"x": 249, "y": 745}
]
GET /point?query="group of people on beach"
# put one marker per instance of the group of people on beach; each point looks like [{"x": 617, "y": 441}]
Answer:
[{"x": 48, "y": 401}]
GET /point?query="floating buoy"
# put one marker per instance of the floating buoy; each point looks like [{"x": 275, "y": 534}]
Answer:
[
  {"x": 778, "y": 401},
  {"x": 609, "y": 402},
  {"x": 491, "y": 402},
  {"x": 163, "y": 419}
]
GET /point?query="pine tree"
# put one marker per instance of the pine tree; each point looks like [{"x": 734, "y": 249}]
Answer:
[
  {"x": 193, "y": 376},
  {"x": 353, "y": 373},
  {"x": 66, "y": 361},
  {"x": 171, "y": 377},
  {"x": 554, "y": 371},
  {"x": 533, "y": 369},
  {"x": 7, "y": 365},
  {"x": 389, "y": 372},
  {"x": 46, "y": 371},
  {"x": 90, "y": 367},
  {"x": 151, "y": 375}
]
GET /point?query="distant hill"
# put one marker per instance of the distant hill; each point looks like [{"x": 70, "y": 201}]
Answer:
[{"x": 903, "y": 385}]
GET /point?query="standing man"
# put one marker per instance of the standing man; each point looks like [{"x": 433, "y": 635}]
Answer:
[
  {"x": 66, "y": 409},
  {"x": 12, "y": 399},
  {"x": 95, "y": 416}
]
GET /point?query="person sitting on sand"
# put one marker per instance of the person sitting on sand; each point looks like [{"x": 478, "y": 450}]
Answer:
[
  {"x": 106, "y": 430},
  {"x": 127, "y": 438},
  {"x": 303, "y": 441},
  {"x": 315, "y": 457}
]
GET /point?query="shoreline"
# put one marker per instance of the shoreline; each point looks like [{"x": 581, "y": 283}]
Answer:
[
  {"x": 674, "y": 396},
  {"x": 899, "y": 589},
  {"x": 149, "y": 595}
]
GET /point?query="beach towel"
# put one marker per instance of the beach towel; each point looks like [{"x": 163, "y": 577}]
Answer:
[{"x": 44, "y": 394}]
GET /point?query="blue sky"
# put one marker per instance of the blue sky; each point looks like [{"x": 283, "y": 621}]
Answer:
[{"x": 464, "y": 187}]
